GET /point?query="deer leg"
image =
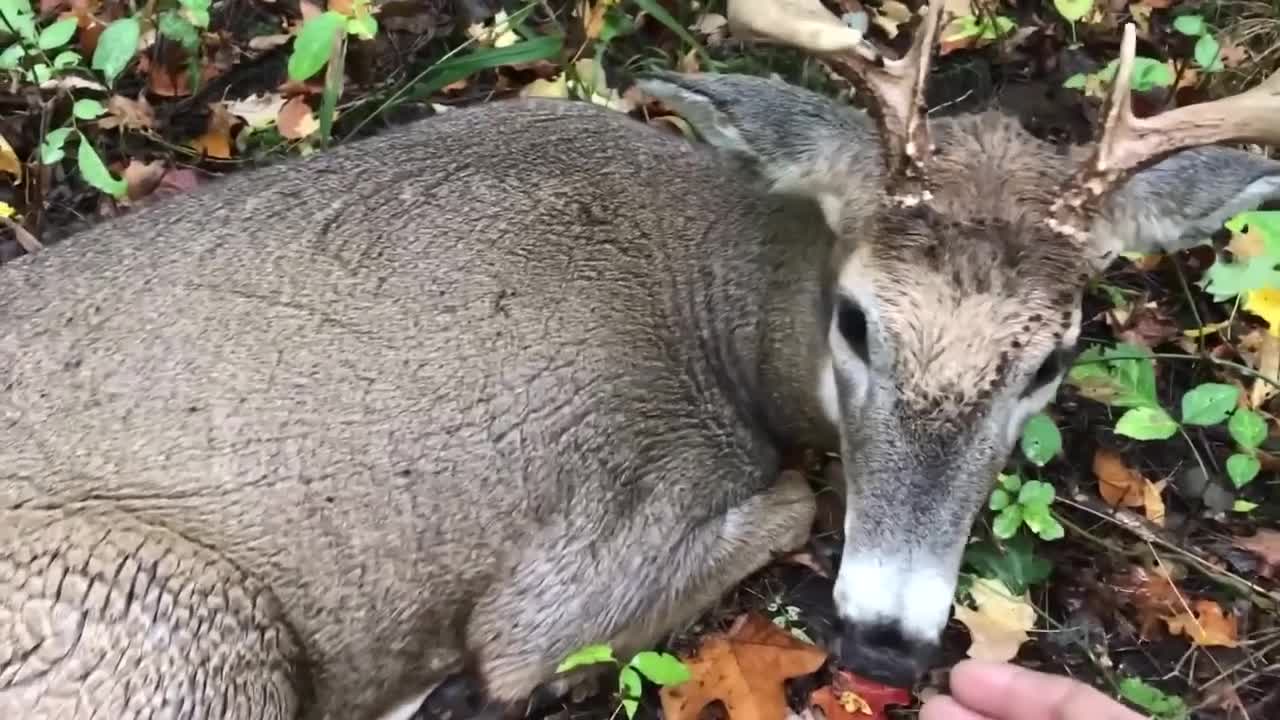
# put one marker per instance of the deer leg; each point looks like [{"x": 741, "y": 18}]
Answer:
[
  {"x": 103, "y": 616},
  {"x": 627, "y": 589}
]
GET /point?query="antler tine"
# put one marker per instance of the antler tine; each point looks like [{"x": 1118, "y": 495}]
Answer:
[
  {"x": 895, "y": 86},
  {"x": 1128, "y": 142}
]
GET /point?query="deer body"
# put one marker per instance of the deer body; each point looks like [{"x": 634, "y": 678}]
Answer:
[
  {"x": 479, "y": 391},
  {"x": 417, "y": 424}
]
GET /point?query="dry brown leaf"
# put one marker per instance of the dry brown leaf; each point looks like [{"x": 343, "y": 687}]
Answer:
[
  {"x": 9, "y": 162},
  {"x": 216, "y": 140},
  {"x": 1209, "y": 627},
  {"x": 1269, "y": 368},
  {"x": 1152, "y": 593},
  {"x": 744, "y": 668},
  {"x": 999, "y": 626},
  {"x": 131, "y": 114},
  {"x": 296, "y": 121},
  {"x": 1266, "y": 545},
  {"x": 890, "y": 16},
  {"x": 141, "y": 179},
  {"x": 259, "y": 110},
  {"x": 1142, "y": 324},
  {"x": 1120, "y": 485},
  {"x": 1247, "y": 244}
]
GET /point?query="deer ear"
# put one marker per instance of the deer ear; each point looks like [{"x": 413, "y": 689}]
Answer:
[
  {"x": 1182, "y": 200},
  {"x": 797, "y": 141}
]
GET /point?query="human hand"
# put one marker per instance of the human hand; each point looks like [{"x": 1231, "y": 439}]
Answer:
[{"x": 1001, "y": 691}]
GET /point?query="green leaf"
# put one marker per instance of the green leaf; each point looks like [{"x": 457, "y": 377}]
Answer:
[
  {"x": 589, "y": 655},
  {"x": 57, "y": 34},
  {"x": 1041, "y": 440},
  {"x": 1266, "y": 222},
  {"x": 1146, "y": 423},
  {"x": 1007, "y": 522},
  {"x": 1147, "y": 73},
  {"x": 1189, "y": 25},
  {"x": 88, "y": 109},
  {"x": 1011, "y": 482},
  {"x": 11, "y": 56},
  {"x": 51, "y": 149},
  {"x": 42, "y": 72},
  {"x": 660, "y": 668},
  {"x": 1247, "y": 428},
  {"x": 95, "y": 172},
  {"x": 364, "y": 27},
  {"x": 1016, "y": 564},
  {"x": 999, "y": 500},
  {"x": 1242, "y": 469},
  {"x": 17, "y": 14},
  {"x": 1036, "y": 492},
  {"x": 1244, "y": 506},
  {"x": 1122, "y": 376},
  {"x": 1076, "y": 82},
  {"x": 116, "y": 47},
  {"x": 1206, "y": 53},
  {"x": 179, "y": 29},
  {"x": 1073, "y": 10},
  {"x": 1227, "y": 280},
  {"x": 1153, "y": 700},
  {"x": 66, "y": 59},
  {"x": 631, "y": 706},
  {"x": 1209, "y": 403},
  {"x": 314, "y": 43},
  {"x": 1041, "y": 521}
]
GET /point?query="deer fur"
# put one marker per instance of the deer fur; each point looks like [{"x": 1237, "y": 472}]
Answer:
[{"x": 468, "y": 395}]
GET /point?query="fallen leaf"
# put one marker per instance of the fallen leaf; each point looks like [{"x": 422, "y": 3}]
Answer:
[
  {"x": 744, "y": 668},
  {"x": 890, "y": 16},
  {"x": 850, "y": 697},
  {"x": 1266, "y": 545},
  {"x": 999, "y": 626},
  {"x": 9, "y": 162},
  {"x": 141, "y": 179},
  {"x": 1152, "y": 593},
  {"x": 216, "y": 140},
  {"x": 1209, "y": 627},
  {"x": 1142, "y": 324},
  {"x": 296, "y": 121},
  {"x": 131, "y": 114},
  {"x": 259, "y": 110},
  {"x": 1120, "y": 485}
]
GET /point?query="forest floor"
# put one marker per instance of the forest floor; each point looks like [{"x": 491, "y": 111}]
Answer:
[{"x": 1134, "y": 542}]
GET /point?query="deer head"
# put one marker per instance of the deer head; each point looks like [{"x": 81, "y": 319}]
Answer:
[{"x": 952, "y": 300}]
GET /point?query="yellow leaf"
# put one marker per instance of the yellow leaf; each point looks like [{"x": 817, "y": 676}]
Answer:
[
  {"x": 1265, "y": 303},
  {"x": 9, "y": 162},
  {"x": 999, "y": 626},
  {"x": 6, "y": 210},
  {"x": 556, "y": 87}
]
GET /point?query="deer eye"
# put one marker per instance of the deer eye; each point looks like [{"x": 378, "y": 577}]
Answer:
[{"x": 852, "y": 323}]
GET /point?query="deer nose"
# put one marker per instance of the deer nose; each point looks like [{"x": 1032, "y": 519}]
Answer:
[{"x": 882, "y": 652}]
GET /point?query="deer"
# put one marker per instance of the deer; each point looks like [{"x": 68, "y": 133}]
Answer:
[{"x": 419, "y": 416}]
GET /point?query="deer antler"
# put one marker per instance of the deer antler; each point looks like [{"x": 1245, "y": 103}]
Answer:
[
  {"x": 1128, "y": 142},
  {"x": 896, "y": 86}
]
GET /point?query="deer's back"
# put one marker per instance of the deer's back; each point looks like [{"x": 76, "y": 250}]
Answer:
[{"x": 368, "y": 376}]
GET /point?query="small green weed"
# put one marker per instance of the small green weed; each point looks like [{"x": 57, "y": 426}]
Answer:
[
  {"x": 1153, "y": 700},
  {"x": 660, "y": 668},
  {"x": 1019, "y": 503}
]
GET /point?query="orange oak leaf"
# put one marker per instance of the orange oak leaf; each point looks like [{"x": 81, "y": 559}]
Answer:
[
  {"x": 1209, "y": 627},
  {"x": 851, "y": 697},
  {"x": 744, "y": 668}
]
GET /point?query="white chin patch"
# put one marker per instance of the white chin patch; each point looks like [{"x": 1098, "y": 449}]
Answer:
[
  {"x": 880, "y": 588},
  {"x": 827, "y": 394}
]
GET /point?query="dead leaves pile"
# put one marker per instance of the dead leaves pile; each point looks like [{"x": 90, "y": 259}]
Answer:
[
  {"x": 1157, "y": 600},
  {"x": 746, "y": 667}
]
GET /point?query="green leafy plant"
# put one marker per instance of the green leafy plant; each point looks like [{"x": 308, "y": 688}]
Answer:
[
  {"x": 1041, "y": 440},
  {"x": 1147, "y": 73},
  {"x": 1153, "y": 700},
  {"x": 983, "y": 29},
  {"x": 1226, "y": 280},
  {"x": 1019, "y": 503},
  {"x": 1073, "y": 10},
  {"x": 1013, "y": 562},
  {"x": 660, "y": 668},
  {"x": 1207, "y": 51}
]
